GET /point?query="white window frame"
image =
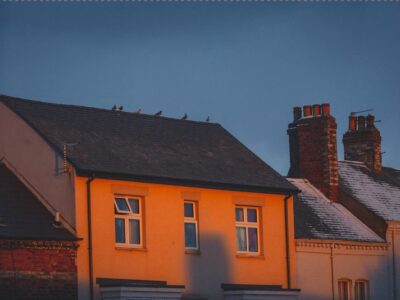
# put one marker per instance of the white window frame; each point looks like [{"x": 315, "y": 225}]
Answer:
[
  {"x": 366, "y": 289},
  {"x": 129, "y": 216},
  {"x": 193, "y": 220},
  {"x": 349, "y": 288},
  {"x": 248, "y": 225}
]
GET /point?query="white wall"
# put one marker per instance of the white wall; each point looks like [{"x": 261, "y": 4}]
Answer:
[
  {"x": 350, "y": 260},
  {"x": 35, "y": 163}
]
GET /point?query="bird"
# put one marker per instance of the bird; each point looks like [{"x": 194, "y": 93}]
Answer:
[
  {"x": 114, "y": 107},
  {"x": 139, "y": 111},
  {"x": 158, "y": 114},
  {"x": 208, "y": 119},
  {"x": 121, "y": 108},
  {"x": 184, "y": 117}
]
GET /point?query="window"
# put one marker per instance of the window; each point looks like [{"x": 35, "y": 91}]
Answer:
[
  {"x": 361, "y": 290},
  {"x": 247, "y": 230},
  {"x": 128, "y": 221},
  {"x": 344, "y": 289},
  {"x": 191, "y": 226}
]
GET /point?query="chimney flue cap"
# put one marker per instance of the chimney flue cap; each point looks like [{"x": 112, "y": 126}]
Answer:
[
  {"x": 326, "y": 109},
  {"x": 296, "y": 113},
  {"x": 307, "y": 110},
  {"x": 316, "y": 109},
  {"x": 352, "y": 122},
  {"x": 361, "y": 122},
  {"x": 370, "y": 121}
]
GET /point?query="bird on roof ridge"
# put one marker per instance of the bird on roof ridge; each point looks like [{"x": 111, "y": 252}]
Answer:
[
  {"x": 114, "y": 107},
  {"x": 158, "y": 113},
  {"x": 139, "y": 111},
  {"x": 208, "y": 119},
  {"x": 184, "y": 117}
]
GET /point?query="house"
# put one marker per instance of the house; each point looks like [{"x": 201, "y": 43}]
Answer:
[
  {"x": 37, "y": 257},
  {"x": 347, "y": 213},
  {"x": 162, "y": 208}
]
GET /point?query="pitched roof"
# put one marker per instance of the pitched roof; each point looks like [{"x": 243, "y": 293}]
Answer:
[
  {"x": 22, "y": 216},
  {"x": 115, "y": 144},
  {"x": 379, "y": 192},
  {"x": 316, "y": 217}
]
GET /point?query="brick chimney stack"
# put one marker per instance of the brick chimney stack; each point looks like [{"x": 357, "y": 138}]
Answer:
[
  {"x": 313, "y": 150},
  {"x": 362, "y": 142}
]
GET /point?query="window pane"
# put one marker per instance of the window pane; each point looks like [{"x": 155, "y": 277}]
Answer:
[
  {"x": 122, "y": 205},
  {"x": 239, "y": 214},
  {"x": 252, "y": 215},
  {"x": 134, "y": 232},
  {"x": 120, "y": 230},
  {"x": 343, "y": 290},
  {"x": 253, "y": 239},
  {"x": 189, "y": 211},
  {"x": 190, "y": 235},
  {"x": 241, "y": 241},
  {"x": 134, "y": 204},
  {"x": 360, "y": 289}
]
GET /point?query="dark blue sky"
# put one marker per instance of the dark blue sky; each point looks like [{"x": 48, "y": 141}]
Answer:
[{"x": 244, "y": 64}]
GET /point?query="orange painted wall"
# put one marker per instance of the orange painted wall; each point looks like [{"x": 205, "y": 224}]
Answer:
[{"x": 164, "y": 257}]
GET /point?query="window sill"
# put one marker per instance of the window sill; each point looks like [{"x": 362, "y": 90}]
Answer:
[
  {"x": 130, "y": 248},
  {"x": 193, "y": 252},
  {"x": 253, "y": 256}
]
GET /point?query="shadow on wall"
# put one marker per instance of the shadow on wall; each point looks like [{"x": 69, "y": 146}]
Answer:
[
  {"x": 314, "y": 275},
  {"x": 205, "y": 271}
]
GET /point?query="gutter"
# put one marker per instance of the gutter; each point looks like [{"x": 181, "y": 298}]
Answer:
[
  {"x": 288, "y": 280},
  {"x": 394, "y": 268},
  {"x": 332, "y": 246},
  {"x": 89, "y": 218}
]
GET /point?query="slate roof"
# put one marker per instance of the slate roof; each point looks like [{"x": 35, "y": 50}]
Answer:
[
  {"x": 122, "y": 145},
  {"x": 379, "y": 192},
  {"x": 316, "y": 217},
  {"x": 22, "y": 216}
]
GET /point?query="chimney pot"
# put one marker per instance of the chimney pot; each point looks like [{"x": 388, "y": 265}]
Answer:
[
  {"x": 361, "y": 122},
  {"x": 352, "y": 122},
  {"x": 326, "y": 109},
  {"x": 316, "y": 109},
  {"x": 370, "y": 121},
  {"x": 296, "y": 113},
  {"x": 307, "y": 110}
]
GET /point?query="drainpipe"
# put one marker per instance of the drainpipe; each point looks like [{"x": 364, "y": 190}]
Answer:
[
  {"x": 332, "y": 272},
  {"x": 394, "y": 268},
  {"x": 287, "y": 241},
  {"x": 89, "y": 218}
]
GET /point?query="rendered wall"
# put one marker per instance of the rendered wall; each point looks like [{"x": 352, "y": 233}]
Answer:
[
  {"x": 349, "y": 262},
  {"x": 36, "y": 161},
  {"x": 164, "y": 257}
]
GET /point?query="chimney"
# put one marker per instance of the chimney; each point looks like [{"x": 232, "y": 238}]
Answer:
[
  {"x": 313, "y": 152},
  {"x": 363, "y": 143}
]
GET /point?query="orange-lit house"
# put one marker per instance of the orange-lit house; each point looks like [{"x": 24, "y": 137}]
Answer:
[{"x": 163, "y": 208}]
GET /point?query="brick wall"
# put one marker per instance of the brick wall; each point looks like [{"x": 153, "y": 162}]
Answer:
[
  {"x": 362, "y": 142},
  {"x": 313, "y": 148},
  {"x": 37, "y": 270}
]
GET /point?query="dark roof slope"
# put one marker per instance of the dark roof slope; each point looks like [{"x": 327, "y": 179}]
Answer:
[
  {"x": 379, "y": 192},
  {"x": 124, "y": 145},
  {"x": 316, "y": 217},
  {"x": 22, "y": 216}
]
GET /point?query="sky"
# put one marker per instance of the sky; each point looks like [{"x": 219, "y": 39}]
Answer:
[{"x": 244, "y": 64}]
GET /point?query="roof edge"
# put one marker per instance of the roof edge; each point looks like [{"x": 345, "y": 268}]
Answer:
[{"x": 185, "y": 182}]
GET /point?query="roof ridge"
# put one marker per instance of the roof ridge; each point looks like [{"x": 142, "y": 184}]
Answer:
[{"x": 143, "y": 115}]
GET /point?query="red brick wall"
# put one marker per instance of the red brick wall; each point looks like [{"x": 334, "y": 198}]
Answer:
[
  {"x": 37, "y": 270},
  {"x": 313, "y": 151}
]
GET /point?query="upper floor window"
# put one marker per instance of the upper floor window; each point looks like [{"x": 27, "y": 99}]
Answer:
[
  {"x": 344, "y": 289},
  {"x": 191, "y": 226},
  {"x": 361, "y": 290},
  {"x": 247, "y": 229},
  {"x": 128, "y": 221}
]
